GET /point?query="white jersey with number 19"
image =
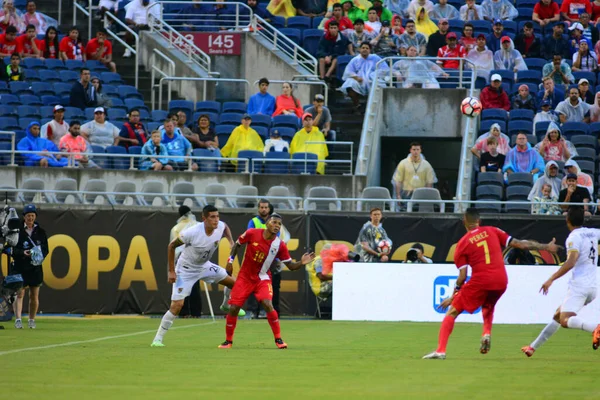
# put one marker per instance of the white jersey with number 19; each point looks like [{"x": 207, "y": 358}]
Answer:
[{"x": 585, "y": 242}]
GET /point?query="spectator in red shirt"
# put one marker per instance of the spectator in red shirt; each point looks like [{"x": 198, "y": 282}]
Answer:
[
  {"x": 526, "y": 43},
  {"x": 343, "y": 22},
  {"x": 8, "y": 42},
  {"x": 451, "y": 50},
  {"x": 100, "y": 48},
  {"x": 546, "y": 11},
  {"x": 71, "y": 47},
  {"x": 49, "y": 45},
  {"x": 493, "y": 96},
  {"x": 571, "y": 9},
  {"x": 28, "y": 45}
]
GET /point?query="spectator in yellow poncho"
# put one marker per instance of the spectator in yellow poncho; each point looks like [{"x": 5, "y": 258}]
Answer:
[
  {"x": 282, "y": 8},
  {"x": 310, "y": 133},
  {"x": 242, "y": 138}
]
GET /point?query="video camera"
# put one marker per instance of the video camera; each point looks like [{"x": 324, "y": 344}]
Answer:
[
  {"x": 9, "y": 287},
  {"x": 9, "y": 228}
]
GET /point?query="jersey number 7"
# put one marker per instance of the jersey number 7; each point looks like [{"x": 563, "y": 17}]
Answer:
[{"x": 486, "y": 249}]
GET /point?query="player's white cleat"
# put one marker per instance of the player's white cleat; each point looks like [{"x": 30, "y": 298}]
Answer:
[
  {"x": 435, "y": 356},
  {"x": 157, "y": 343},
  {"x": 31, "y": 324},
  {"x": 528, "y": 350},
  {"x": 18, "y": 324},
  {"x": 486, "y": 344}
]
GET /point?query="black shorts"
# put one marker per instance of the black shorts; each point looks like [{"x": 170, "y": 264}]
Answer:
[{"x": 33, "y": 277}]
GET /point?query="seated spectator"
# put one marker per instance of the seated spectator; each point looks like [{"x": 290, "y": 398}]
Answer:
[
  {"x": 286, "y": 103},
  {"x": 343, "y": 22},
  {"x": 372, "y": 23},
  {"x": 508, "y": 58},
  {"x": 102, "y": 100},
  {"x": 100, "y": 132},
  {"x": 136, "y": 18},
  {"x": 10, "y": 16},
  {"x": 412, "y": 173},
  {"x": 451, "y": 50},
  {"x": 482, "y": 58},
  {"x": 154, "y": 149},
  {"x": 545, "y": 12},
  {"x": 39, "y": 20},
  {"x": 73, "y": 142},
  {"x": 134, "y": 132},
  {"x": 8, "y": 42},
  {"x": 411, "y": 37},
  {"x": 554, "y": 147},
  {"x": 417, "y": 73},
  {"x": 181, "y": 123},
  {"x": 358, "y": 75},
  {"x": 382, "y": 13},
  {"x": 491, "y": 160},
  {"x": 203, "y": 135},
  {"x": 178, "y": 146},
  {"x": 242, "y": 138},
  {"x": 558, "y": 70},
  {"x": 546, "y": 113},
  {"x": 498, "y": 9},
  {"x": 467, "y": 39},
  {"x": 256, "y": 10},
  {"x": 555, "y": 96},
  {"x": 595, "y": 108},
  {"x": 57, "y": 128},
  {"x": 556, "y": 43},
  {"x": 541, "y": 203},
  {"x": 423, "y": 24},
  {"x": 384, "y": 43},
  {"x": 524, "y": 158},
  {"x": 14, "y": 72},
  {"x": 276, "y": 143},
  {"x": 471, "y": 11},
  {"x": 502, "y": 142},
  {"x": 523, "y": 99},
  {"x": 437, "y": 40},
  {"x": 194, "y": 16},
  {"x": 83, "y": 93},
  {"x": 398, "y": 8},
  {"x": 584, "y": 59},
  {"x": 104, "y": 6},
  {"x": 309, "y": 8},
  {"x": 584, "y": 91},
  {"x": 576, "y": 37},
  {"x": 493, "y": 95},
  {"x": 573, "y": 109},
  {"x": 310, "y": 133},
  {"x": 414, "y": 5},
  {"x": 332, "y": 45},
  {"x": 49, "y": 45},
  {"x": 570, "y": 9},
  {"x": 583, "y": 179},
  {"x": 527, "y": 43},
  {"x": 71, "y": 47},
  {"x": 397, "y": 28},
  {"x": 33, "y": 142},
  {"x": 262, "y": 102},
  {"x": 493, "y": 40},
  {"x": 590, "y": 32},
  {"x": 551, "y": 178},
  {"x": 28, "y": 45},
  {"x": 574, "y": 193},
  {"x": 100, "y": 49},
  {"x": 358, "y": 36},
  {"x": 444, "y": 10},
  {"x": 356, "y": 10},
  {"x": 322, "y": 117}
]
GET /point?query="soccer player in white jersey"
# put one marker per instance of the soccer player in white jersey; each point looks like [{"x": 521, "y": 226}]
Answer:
[
  {"x": 582, "y": 258},
  {"x": 201, "y": 241}
]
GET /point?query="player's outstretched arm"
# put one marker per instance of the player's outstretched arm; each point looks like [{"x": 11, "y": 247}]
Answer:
[
  {"x": 175, "y": 243},
  {"x": 552, "y": 247},
  {"x": 232, "y": 256},
  {"x": 227, "y": 235},
  {"x": 306, "y": 258},
  {"x": 566, "y": 267}
]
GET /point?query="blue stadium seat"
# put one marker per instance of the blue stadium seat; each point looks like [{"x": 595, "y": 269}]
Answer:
[
  {"x": 316, "y": 21},
  {"x": 89, "y": 113},
  {"x": 42, "y": 88},
  {"x": 159, "y": 115},
  {"x": 31, "y": 75},
  {"x": 507, "y": 76},
  {"x": 213, "y": 117},
  {"x": 29, "y": 111},
  {"x": 47, "y": 111},
  {"x": 50, "y": 100},
  {"x": 526, "y": 115},
  {"x": 55, "y": 64},
  {"x": 223, "y": 132},
  {"x": 101, "y": 161},
  {"x": 276, "y": 167},
  {"x": 482, "y": 26},
  {"x": 494, "y": 113},
  {"x": 278, "y": 22},
  {"x": 209, "y": 106},
  {"x": 255, "y": 167},
  {"x": 4, "y": 87},
  {"x": 30, "y": 100},
  {"x": 486, "y": 125},
  {"x": 510, "y": 26},
  {"x": 118, "y": 104},
  {"x": 310, "y": 40},
  {"x": 261, "y": 120},
  {"x": 48, "y": 75},
  {"x": 341, "y": 66},
  {"x": 289, "y": 121},
  {"x": 135, "y": 103},
  {"x": 74, "y": 65},
  {"x": 10, "y": 99},
  {"x": 135, "y": 150},
  {"x": 302, "y": 168},
  {"x": 128, "y": 92},
  {"x": 490, "y": 178},
  {"x": 488, "y": 192},
  {"x": 585, "y": 153},
  {"x": 536, "y": 64},
  {"x": 5, "y": 157},
  {"x": 206, "y": 165},
  {"x": 8, "y": 111},
  {"x": 111, "y": 91},
  {"x": 262, "y": 132},
  {"x": 525, "y": 14},
  {"x": 62, "y": 88},
  {"x": 144, "y": 115},
  {"x": 235, "y": 107},
  {"x": 520, "y": 178},
  {"x": 526, "y": 3},
  {"x": 152, "y": 126},
  {"x": 299, "y": 22},
  {"x": 111, "y": 78},
  {"x": 540, "y": 129},
  {"x": 532, "y": 76},
  {"x": 574, "y": 128},
  {"x": 24, "y": 122},
  {"x": 116, "y": 114},
  {"x": 69, "y": 76},
  {"x": 294, "y": 34},
  {"x": 118, "y": 162},
  {"x": 9, "y": 123},
  {"x": 95, "y": 65},
  {"x": 74, "y": 113},
  {"x": 286, "y": 133},
  {"x": 515, "y": 127},
  {"x": 594, "y": 128},
  {"x": 187, "y": 106},
  {"x": 32, "y": 63},
  {"x": 231, "y": 118},
  {"x": 590, "y": 76}
]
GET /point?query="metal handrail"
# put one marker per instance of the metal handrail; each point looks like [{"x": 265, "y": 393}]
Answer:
[
  {"x": 135, "y": 50},
  {"x": 87, "y": 12},
  {"x": 155, "y": 69},
  {"x": 237, "y": 15},
  {"x": 12, "y": 146},
  {"x": 205, "y": 80},
  {"x": 312, "y": 83}
]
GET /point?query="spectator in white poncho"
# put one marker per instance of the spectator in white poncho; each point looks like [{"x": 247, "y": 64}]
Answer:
[{"x": 508, "y": 58}]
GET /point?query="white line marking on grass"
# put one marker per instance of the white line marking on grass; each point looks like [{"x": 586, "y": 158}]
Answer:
[{"x": 51, "y": 346}]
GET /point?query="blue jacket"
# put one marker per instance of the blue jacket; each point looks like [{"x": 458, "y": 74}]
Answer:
[
  {"x": 178, "y": 145},
  {"x": 149, "y": 150},
  {"x": 261, "y": 104},
  {"x": 551, "y": 46},
  {"x": 36, "y": 143},
  {"x": 333, "y": 48}
]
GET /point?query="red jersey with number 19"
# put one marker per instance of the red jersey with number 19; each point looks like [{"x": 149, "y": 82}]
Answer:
[
  {"x": 481, "y": 249},
  {"x": 260, "y": 254}
]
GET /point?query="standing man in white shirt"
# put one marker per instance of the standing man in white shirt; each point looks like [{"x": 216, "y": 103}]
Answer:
[{"x": 137, "y": 19}]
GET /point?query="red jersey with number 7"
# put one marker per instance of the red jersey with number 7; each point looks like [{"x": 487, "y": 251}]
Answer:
[
  {"x": 260, "y": 254},
  {"x": 481, "y": 249}
]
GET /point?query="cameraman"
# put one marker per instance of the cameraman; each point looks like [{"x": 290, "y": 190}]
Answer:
[
  {"x": 369, "y": 237},
  {"x": 28, "y": 255},
  {"x": 415, "y": 255}
]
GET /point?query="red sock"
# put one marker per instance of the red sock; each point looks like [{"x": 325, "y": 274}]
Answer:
[
  {"x": 488, "y": 318},
  {"x": 230, "y": 323},
  {"x": 273, "y": 319},
  {"x": 445, "y": 332}
]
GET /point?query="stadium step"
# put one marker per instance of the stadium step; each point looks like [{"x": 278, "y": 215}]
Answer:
[{"x": 347, "y": 125}]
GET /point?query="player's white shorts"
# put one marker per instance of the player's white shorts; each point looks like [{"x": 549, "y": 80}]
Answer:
[
  {"x": 188, "y": 276},
  {"x": 577, "y": 298}
]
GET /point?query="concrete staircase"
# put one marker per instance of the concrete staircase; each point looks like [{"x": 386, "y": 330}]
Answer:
[{"x": 347, "y": 125}]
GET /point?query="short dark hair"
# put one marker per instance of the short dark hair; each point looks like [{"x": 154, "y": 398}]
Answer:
[
  {"x": 334, "y": 23},
  {"x": 74, "y": 28},
  {"x": 82, "y": 70},
  {"x": 203, "y": 116},
  {"x": 336, "y": 5},
  {"x": 208, "y": 209},
  {"x": 166, "y": 121},
  {"x": 15, "y": 55},
  {"x": 30, "y": 26},
  {"x": 183, "y": 209},
  {"x": 472, "y": 214},
  {"x": 415, "y": 144},
  {"x": 375, "y": 209},
  {"x": 366, "y": 43},
  {"x": 409, "y": 21},
  {"x": 11, "y": 29},
  {"x": 528, "y": 25},
  {"x": 359, "y": 21},
  {"x": 274, "y": 215},
  {"x": 263, "y": 80},
  {"x": 172, "y": 114},
  {"x": 556, "y": 55},
  {"x": 134, "y": 109},
  {"x": 264, "y": 201},
  {"x": 74, "y": 122},
  {"x": 575, "y": 215},
  {"x": 102, "y": 30}
]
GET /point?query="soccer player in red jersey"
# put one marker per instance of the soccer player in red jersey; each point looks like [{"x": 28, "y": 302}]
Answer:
[
  {"x": 262, "y": 248},
  {"x": 481, "y": 249}
]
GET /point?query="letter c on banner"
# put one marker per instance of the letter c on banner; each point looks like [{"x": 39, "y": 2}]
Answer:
[{"x": 69, "y": 244}]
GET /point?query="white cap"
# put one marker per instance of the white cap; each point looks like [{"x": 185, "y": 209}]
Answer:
[
  {"x": 576, "y": 25},
  {"x": 583, "y": 80},
  {"x": 570, "y": 163},
  {"x": 99, "y": 109},
  {"x": 58, "y": 107},
  {"x": 496, "y": 77}
]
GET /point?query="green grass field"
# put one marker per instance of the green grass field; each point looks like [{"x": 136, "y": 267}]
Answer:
[{"x": 325, "y": 360}]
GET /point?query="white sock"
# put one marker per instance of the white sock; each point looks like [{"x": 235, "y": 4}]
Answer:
[
  {"x": 545, "y": 334},
  {"x": 165, "y": 324},
  {"x": 578, "y": 323},
  {"x": 226, "y": 294}
]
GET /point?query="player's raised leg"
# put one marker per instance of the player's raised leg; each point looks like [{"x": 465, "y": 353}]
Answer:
[
  {"x": 228, "y": 282},
  {"x": 546, "y": 333}
]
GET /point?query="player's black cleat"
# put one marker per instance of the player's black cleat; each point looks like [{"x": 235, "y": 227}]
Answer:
[
  {"x": 226, "y": 345},
  {"x": 280, "y": 343}
]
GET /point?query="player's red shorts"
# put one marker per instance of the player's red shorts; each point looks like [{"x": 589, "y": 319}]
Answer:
[
  {"x": 471, "y": 297},
  {"x": 263, "y": 290}
]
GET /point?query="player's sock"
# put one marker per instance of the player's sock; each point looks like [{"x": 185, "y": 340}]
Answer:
[
  {"x": 576, "y": 322},
  {"x": 545, "y": 334},
  {"x": 445, "y": 332},
  {"x": 165, "y": 324},
  {"x": 488, "y": 318},
  {"x": 230, "y": 323},
  {"x": 226, "y": 294},
  {"x": 273, "y": 319}
]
